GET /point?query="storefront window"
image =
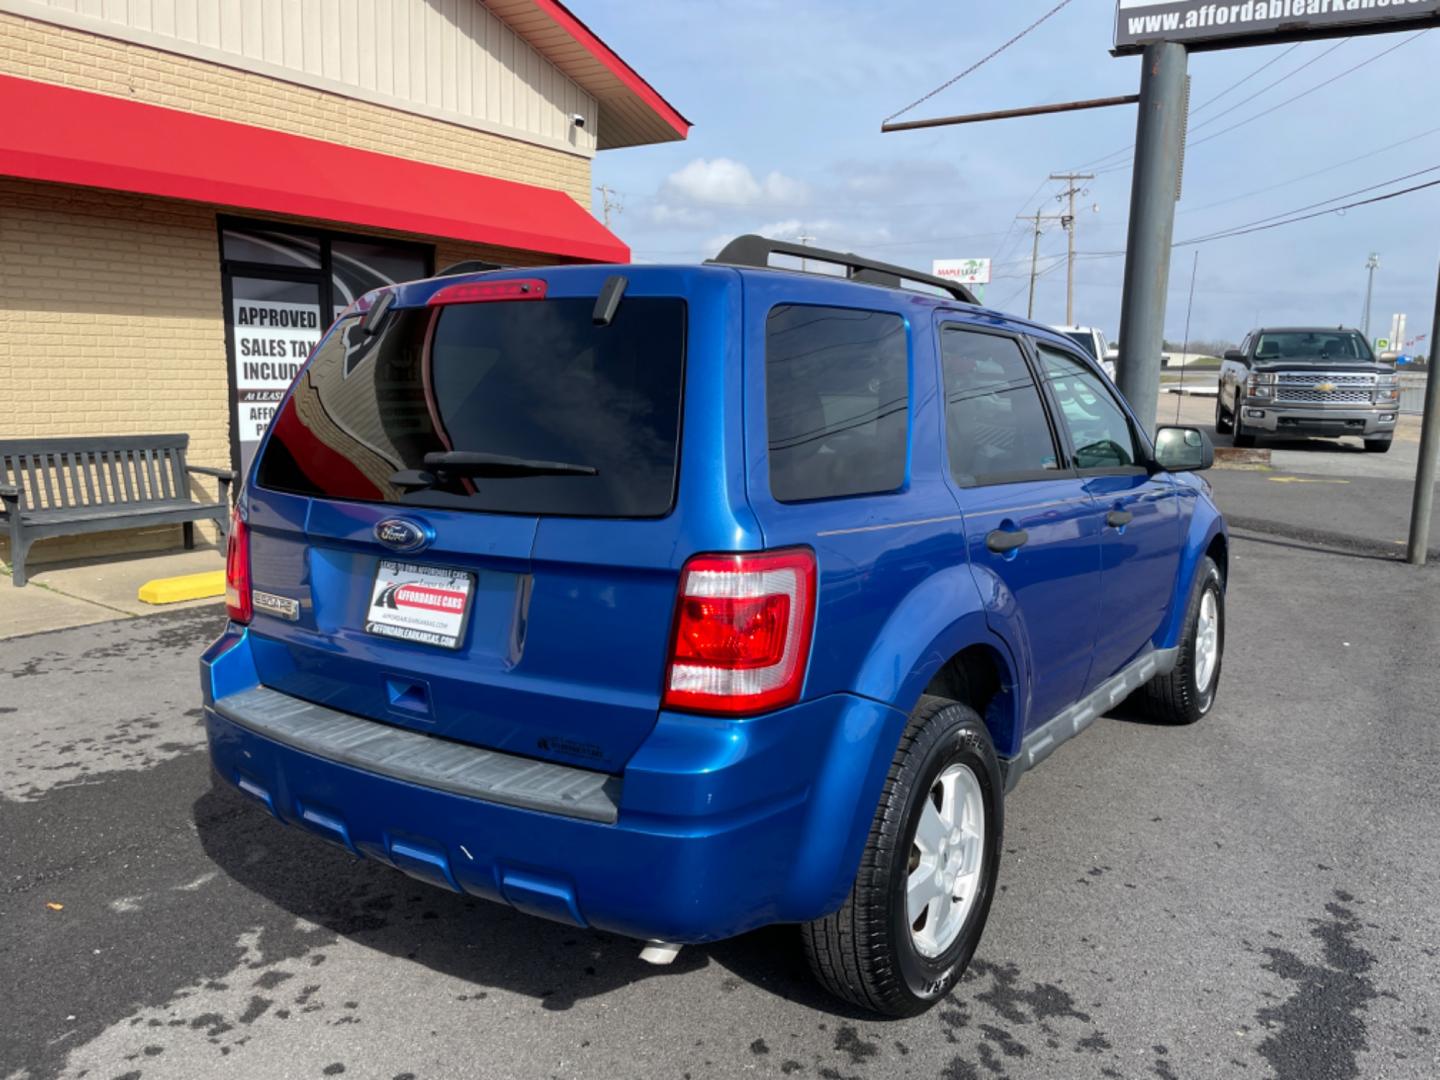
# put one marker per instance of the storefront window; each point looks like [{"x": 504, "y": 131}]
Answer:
[{"x": 284, "y": 288}]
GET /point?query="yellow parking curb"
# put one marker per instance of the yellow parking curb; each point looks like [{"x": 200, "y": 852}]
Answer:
[{"x": 171, "y": 590}]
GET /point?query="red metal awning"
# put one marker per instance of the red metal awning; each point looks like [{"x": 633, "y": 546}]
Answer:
[{"x": 57, "y": 134}]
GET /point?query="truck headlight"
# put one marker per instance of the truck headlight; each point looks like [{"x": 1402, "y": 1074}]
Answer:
[{"x": 1260, "y": 385}]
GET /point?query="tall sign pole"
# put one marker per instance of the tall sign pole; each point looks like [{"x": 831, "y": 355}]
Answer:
[
  {"x": 1159, "y": 138},
  {"x": 1423, "y": 503}
]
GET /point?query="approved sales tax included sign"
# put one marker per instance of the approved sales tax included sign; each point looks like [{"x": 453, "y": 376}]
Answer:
[{"x": 1207, "y": 24}]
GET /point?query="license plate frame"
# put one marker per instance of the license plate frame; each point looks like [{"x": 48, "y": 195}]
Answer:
[{"x": 420, "y": 603}]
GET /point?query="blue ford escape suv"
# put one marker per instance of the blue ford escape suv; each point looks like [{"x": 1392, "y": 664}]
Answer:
[{"x": 680, "y": 600}]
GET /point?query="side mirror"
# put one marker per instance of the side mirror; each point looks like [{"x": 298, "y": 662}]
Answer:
[
  {"x": 1112, "y": 352},
  {"x": 1183, "y": 449},
  {"x": 1236, "y": 355}
]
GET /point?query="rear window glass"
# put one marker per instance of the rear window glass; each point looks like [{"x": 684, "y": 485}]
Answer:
[
  {"x": 530, "y": 380},
  {"x": 837, "y": 398}
]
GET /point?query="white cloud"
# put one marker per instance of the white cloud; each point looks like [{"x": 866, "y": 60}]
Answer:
[{"x": 724, "y": 182}]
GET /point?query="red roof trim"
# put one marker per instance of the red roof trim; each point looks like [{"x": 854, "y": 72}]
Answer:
[
  {"x": 61, "y": 135},
  {"x": 566, "y": 19}
]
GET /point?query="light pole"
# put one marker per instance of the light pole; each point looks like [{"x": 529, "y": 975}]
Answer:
[{"x": 1371, "y": 264}]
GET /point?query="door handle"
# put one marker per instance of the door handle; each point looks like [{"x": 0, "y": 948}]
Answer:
[
  {"x": 1002, "y": 541},
  {"x": 1118, "y": 519}
]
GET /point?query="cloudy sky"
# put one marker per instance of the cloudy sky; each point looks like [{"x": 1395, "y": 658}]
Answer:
[{"x": 787, "y": 99}]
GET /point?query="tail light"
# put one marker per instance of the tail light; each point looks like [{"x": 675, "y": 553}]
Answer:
[
  {"x": 742, "y": 632},
  {"x": 237, "y": 571}
]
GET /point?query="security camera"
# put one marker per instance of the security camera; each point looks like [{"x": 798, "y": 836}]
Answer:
[{"x": 578, "y": 120}]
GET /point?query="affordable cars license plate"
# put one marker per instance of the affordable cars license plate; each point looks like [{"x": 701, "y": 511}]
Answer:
[{"x": 427, "y": 604}]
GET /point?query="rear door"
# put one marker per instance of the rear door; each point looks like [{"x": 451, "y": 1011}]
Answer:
[
  {"x": 1139, "y": 514},
  {"x": 428, "y": 595},
  {"x": 1031, "y": 527}
]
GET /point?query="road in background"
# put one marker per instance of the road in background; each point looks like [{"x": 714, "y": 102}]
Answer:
[
  {"x": 1251, "y": 896},
  {"x": 1329, "y": 492}
]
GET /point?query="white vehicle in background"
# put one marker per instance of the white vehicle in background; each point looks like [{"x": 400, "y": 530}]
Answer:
[{"x": 1092, "y": 340}]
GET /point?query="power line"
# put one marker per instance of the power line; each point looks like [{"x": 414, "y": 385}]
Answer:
[
  {"x": 1337, "y": 198},
  {"x": 1318, "y": 172},
  {"x": 979, "y": 63},
  {"x": 1271, "y": 86},
  {"x": 1291, "y": 217},
  {"x": 1254, "y": 228},
  {"x": 1200, "y": 108},
  {"x": 1241, "y": 82},
  {"x": 1320, "y": 86},
  {"x": 1288, "y": 101}
]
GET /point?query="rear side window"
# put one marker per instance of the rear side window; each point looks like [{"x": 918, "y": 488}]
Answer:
[
  {"x": 837, "y": 401},
  {"x": 534, "y": 380},
  {"x": 995, "y": 426}
]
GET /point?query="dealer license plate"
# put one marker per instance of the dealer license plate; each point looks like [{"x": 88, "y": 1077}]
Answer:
[{"x": 426, "y": 604}]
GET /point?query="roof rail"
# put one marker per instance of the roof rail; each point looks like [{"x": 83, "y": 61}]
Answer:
[{"x": 752, "y": 250}]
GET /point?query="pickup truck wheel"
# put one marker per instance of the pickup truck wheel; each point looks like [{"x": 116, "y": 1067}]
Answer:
[
  {"x": 1187, "y": 693},
  {"x": 1378, "y": 446},
  {"x": 1224, "y": 422},
  {"x": 919, "y": 903},
  {"x": 1242, "y": 438}
]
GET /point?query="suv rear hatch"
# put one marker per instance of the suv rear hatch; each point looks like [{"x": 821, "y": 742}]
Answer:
[{"x": 466, "y": 500}]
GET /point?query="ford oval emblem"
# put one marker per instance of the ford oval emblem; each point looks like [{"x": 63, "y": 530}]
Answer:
[{"x": 400, "y": 535}]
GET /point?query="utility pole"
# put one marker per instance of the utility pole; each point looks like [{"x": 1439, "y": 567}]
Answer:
[
  {"x": 1035, "y": 221},
  {"x": 1371, "y": 264},
  {"x": 1069, "y": 221},
  {"x": 607, "y": 204},
  {"x": 1159, "y": 139},
  {"x": 805, "y": 241}
]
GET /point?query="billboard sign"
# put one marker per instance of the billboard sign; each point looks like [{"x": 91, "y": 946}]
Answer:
[
  {"x": 1207, "y": 24},
  {"x": 964, "y": 271}
]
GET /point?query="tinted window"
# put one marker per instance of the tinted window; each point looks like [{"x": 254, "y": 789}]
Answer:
[
  {"x": 1340, "y": 345},
  {"x": 995, "y": 426},
  {"x": 1085, "y": 340},
  {"x": 837, "y": 401},
  {"x": 530, "y": 380},
  {"x": 1099, "y": 429}
]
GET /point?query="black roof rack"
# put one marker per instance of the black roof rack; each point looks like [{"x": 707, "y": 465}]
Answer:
[{"x": 752, "y": 250}]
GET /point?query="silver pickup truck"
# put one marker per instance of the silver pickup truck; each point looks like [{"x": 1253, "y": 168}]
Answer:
[{"x": 1298, "y": 381}]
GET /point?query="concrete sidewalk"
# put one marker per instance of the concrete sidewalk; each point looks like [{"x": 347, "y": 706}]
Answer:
[{"x": 84, "y": 591}]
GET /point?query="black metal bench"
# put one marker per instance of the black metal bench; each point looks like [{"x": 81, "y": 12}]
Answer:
[{"x": 60, "y": 487}]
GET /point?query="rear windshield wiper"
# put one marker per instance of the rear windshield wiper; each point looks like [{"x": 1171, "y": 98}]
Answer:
[
  {"x": 470, "y": 463},
  {"x": 488, "y": 466}
]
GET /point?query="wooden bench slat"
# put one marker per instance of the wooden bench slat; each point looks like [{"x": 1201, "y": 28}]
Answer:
[{"x": 87, "y": 469}]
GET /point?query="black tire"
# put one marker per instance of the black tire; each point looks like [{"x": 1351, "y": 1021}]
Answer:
[
  {"x": 865, "y": 952},
  {"x": 1177, "y": 698},
  {"x": 1378, "y": 446},
  {"x": 1224, "y": 424}
]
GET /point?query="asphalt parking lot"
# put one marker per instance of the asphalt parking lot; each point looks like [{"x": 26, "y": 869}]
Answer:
[{"x": 1251, "y": 897}]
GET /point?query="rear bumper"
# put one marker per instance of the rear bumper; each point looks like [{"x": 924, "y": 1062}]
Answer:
[
  {"x": 720, "y": 826},
  {"x": 1293, "y": 420}
]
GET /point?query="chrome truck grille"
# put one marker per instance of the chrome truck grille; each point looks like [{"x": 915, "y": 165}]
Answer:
[{"x": 1324, "y": 388}]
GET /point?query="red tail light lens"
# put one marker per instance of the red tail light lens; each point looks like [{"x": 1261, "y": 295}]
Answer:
[
  {"x": 480, "y": 291},
  {"x": 237, "y": 572},
  {"x": 742, "y": 632}
]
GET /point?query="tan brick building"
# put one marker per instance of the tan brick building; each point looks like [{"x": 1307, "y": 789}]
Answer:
[{"x": 171, "y": 167}]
